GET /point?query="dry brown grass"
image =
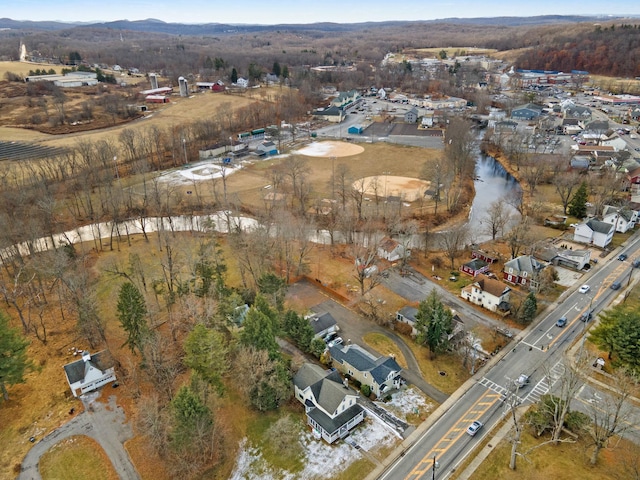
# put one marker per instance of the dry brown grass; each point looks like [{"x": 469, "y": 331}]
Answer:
[
  {"x": 76, "y": 457},
  {"x": 382, "y": 344}
]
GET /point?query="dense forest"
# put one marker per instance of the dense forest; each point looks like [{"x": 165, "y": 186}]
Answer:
[{"x": 603, "y": 50}]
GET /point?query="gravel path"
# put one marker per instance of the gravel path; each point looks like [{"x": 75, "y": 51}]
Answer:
[{"x": 104, "y": 423}]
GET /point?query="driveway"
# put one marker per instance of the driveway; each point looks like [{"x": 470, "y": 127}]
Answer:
[{"x": 106, "y": 424}]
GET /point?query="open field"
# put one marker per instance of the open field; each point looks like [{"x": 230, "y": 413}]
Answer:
[{"x": 23, "y": 68}]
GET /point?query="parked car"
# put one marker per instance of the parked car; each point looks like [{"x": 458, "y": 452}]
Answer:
[
  {"x": 622, "y": 257},
  {"x": 584, "y": 288},
  {"x": 562, "y": 321},
  {"x": 474, "y": 427},
  {"x": 329, "y": 337},
  {"x": 335, "y": 341}
]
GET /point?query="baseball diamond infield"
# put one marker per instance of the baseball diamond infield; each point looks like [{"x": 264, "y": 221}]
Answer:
[{"x": 408, "y": 189}]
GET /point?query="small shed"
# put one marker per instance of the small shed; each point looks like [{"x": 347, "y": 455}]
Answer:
[
  {"x": 475, "y": 267},
  {"x": 355, "y": 129}
]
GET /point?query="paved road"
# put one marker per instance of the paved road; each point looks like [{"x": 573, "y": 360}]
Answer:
[
  {"x": 104, "y": 423},
  {"x": 541, "y": 346}
]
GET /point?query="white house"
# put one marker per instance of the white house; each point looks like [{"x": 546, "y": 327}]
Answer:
[
  {"x": 392, "y": 250},
  {"x": 408, "y": 315},
  {"x": 594, "y": 232},
  {"x": 242, "y": 83},
  {"x": 488, "y": 293},
  {"x": 90, "y": 372},
  {"x": 623, "y": 219},
  {"x": 331, "y": 407}
]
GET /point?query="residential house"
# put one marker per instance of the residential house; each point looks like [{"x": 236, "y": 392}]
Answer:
[
  {"x": 392, "y": 250},
  {"x": 523, "y": 270},
  {"x": 331, "y": 407},
  {"x": 635, "y": 114},
  {"x": 427, "y": 120},
  {"x": 242, "y": 82},
  {"x": 624, "y": 219},
  {"x": 488, "y": 293},
  {"x": 382, "y": 374},
  {"x": 571, "y": 126},
  {"x": 529, "y": 111},
  {"x": 475, "y": 267},
  {"x": 345, "y": 98},
  {"x": 323, "y": 324},
  {"x": 411, "y": 116},
  {"x": 578, "y": 112},
  {"x": 594, "y": 232},
  {"x": 90, "y": 372},
  {"x": 408, "y": 315}
]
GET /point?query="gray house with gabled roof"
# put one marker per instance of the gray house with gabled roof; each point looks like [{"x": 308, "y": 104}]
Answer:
[
  {"x": 408, "y": 315},
  {"x": 382, "y": 374},
  {"x": 528, "y": 111},
  {"x": 90, "y": 372},
  {"x": 331, "y": 407}
]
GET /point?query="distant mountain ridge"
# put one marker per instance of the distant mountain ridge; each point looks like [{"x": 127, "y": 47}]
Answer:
[{"x": 158, "y": 26}]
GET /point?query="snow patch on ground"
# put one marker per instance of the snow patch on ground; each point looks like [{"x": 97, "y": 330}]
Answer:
[
  {"x": 321, "y": 459},
  {"x": 407, "y": 401}
]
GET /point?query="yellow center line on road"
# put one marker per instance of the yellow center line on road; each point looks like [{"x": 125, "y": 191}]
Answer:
[{"x": 484, "y": 403}]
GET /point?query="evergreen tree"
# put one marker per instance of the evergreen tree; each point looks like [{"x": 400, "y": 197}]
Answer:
[
  {"x": 529, "y": 309},
  {"x": 578, "y": 203},
  {"x": 626, "y": 340},
  {"x": 285, "y": 72},
  {"x": 13, "y": 356},
  {"x": 206, "y": 354},
  {"x": 434, "y": 324},
  {"x": 259, "y": 332},
  {"x": 299, "y": 329},
  {"x": 208, "y": 63},
  {"x": 276, "y": 69},
  {"x": 132, "y": 311},
  {"x": 190, "y": 417},
  {"x": 234, "y": 75},
  {"x": 603, "y": 334}
]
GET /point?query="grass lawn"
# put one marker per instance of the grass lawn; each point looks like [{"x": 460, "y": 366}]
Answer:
[
  {"x": 76, "y": 457},
  {"x": 381, "y": 343},
  {"x": 450, "y": 364},
  {"x": 565, "y": 461}
]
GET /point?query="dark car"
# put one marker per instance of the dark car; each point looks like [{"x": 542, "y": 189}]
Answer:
[
  {"x": 562, "y": 321},
  {"x": 586, "y": 316},
  {"x": 636, "y": 263},
  {"x": 622, "y": 257},
  {"x": 615, "y": 286}
]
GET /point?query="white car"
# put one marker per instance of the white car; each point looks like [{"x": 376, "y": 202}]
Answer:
[
  {"x": 584, "y": 288},
  {"x": 473, "y": 428}
]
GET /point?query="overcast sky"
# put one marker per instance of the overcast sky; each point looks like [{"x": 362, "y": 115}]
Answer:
[{"x": 301, "y": 11}]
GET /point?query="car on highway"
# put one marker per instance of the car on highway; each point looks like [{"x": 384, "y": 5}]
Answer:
[
  {"x": 474, "y": 427},
  {"x": 636, "y": 263},
  {"x": 584, "y": 288},
  {"x": 562, "y": 321},
  {"x": 622, "y": 257},
  {"x": 615, "y": 286}
]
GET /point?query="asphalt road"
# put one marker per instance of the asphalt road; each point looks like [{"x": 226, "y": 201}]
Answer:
[
  {"x": 104, "y": 423},
  {"x": 539, "y": 347}
]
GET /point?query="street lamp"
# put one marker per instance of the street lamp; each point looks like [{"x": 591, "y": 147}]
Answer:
[{"x": 433, "y": 470}]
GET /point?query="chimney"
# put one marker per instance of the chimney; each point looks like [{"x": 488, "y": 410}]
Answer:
[{"x": 86, "y": 356}]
